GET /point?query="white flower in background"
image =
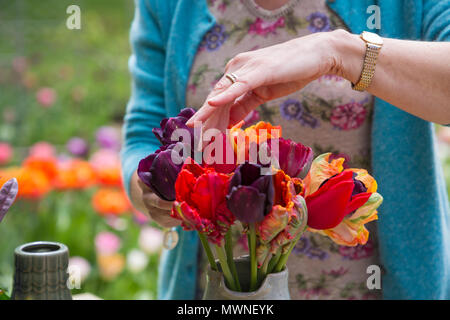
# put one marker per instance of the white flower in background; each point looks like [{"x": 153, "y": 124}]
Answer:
[
  {"x": 150, "y": 240},
  {"x": 79, "y": 269},
  {"x": 137, "y": 260}
]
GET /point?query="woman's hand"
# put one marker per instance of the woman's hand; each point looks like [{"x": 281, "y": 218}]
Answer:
[
  {"x": 146, "y": 201},
  {"x": 269, "y": 73},
  {"x": 158, "y": 209}
]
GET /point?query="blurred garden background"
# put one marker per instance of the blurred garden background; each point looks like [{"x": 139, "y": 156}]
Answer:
[{"x": 62, "y": 98}]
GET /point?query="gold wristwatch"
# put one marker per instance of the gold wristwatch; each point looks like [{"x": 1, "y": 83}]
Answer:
[{"x": 374, "y": 43}]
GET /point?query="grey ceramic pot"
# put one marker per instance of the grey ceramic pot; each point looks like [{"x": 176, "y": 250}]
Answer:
[
  {"x": 274, "y": 287},
  {"x": 41, "y": 272}
]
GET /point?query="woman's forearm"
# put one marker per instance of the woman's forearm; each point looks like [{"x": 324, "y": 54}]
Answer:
[{"x": 412, "y": 75}]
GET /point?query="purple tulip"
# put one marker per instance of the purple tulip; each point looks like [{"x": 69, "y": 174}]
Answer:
[
  {"x": 159, "y": 172},
  {"x": 77, "y": 147},
  {"x": 251, "y": 195},
  {"x": 169, "y": 125},
  {"x": 8, "y": 194},
  {"x": 292, "y": 156},
  {"x": 108, "y": 138}
]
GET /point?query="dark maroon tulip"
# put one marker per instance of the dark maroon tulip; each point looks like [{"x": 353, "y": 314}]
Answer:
[
  {"x": 251, "y": 195},
  {"x": 169, "y": 125},
  {"x": 292, "y": 156},
  {"x": 159, "y": 172},
  {"x": 8, "y": 194}
]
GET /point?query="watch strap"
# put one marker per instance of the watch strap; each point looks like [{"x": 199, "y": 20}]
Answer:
[{"x": 368, "y": 71}]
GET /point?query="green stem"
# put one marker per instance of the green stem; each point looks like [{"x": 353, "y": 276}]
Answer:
[
  {"x": 273, "y": 262},
  {"x": 230, "y": 260},
  {"x": 208, "y": 251},
  {"x": 253, "y": 262},
  {"x": 221, "y": 254},
  {"x": 284, "y": 257}
]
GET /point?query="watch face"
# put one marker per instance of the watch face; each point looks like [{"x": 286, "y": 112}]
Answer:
[{"x": 372, "y": 38}]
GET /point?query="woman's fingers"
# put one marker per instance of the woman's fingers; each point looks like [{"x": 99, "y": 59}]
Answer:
[
  {"x": 162, "y": 217},
  {"x": 151, "y": 199},
  {"x": 203, "y": 113},
  {"x": 233, "y": 92}
]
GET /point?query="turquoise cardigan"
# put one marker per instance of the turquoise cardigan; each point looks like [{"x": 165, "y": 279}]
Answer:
[{"x": 414, "y": 218}]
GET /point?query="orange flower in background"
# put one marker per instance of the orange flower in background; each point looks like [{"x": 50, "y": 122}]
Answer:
[
  {"x": 33, "y": 183},
  {"x": 75, "y": 174},
  {"x": 108, "y": 201},
  {"x": 46, "y": 165},
  {"x": 106, "y": 164}
]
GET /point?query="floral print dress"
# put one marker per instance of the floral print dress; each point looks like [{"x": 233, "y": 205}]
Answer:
[{"x": 327, "y": 115}]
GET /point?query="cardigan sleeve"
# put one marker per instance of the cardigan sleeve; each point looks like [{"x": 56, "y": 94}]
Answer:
[
  {"x": 436, "y": 20},
  {"x": 146, "y": 106}
]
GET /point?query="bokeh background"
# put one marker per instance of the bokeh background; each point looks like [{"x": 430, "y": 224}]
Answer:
[{"x": 62, "y": 99}]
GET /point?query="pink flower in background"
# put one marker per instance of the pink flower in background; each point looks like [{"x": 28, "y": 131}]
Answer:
[
  {"x": 107, "y": 243},
  {"x": 6, "y": 153},
  {"x": 140, "y": 218},
  {"x": 105, "y": 158},
  {"x": 42, "y": 150},
  {"x": 150, "y": 240},
  {"x": 108, "y": 137},
  {"x": 348, "y": 116},
  {"x": 262, "y": 27},
  {"x": 46, "y": 97},
  {"x": 77, "y": 146}
]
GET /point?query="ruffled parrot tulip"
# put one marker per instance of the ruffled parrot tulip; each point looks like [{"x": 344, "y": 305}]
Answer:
[
  {"x": 201, "y": 201},
  {"x": 340, "y": 202}
]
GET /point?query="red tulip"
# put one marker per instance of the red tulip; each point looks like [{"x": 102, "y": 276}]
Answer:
[
  {"x": 200, "y": 201},
  {"x": 333, "y": 200}
]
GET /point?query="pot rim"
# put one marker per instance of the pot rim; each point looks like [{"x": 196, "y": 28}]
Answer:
[{"x": 55, "y": 248}]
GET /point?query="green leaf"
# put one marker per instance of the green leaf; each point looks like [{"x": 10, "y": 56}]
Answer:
[{"x": 3, "y": 295}]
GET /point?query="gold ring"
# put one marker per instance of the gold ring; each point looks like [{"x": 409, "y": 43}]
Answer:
[{"x": 232, "y": 77}]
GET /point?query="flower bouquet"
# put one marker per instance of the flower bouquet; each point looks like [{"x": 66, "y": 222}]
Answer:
[{"x": 250, "y": 177}]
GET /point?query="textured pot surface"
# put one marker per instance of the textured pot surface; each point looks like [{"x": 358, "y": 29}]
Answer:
[
  {"x": 41, "y": 272},
  {"x": 274, "y": 287}
]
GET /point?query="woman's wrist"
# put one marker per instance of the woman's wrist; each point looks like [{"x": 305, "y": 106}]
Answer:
[{"x": 348, "y": 52}]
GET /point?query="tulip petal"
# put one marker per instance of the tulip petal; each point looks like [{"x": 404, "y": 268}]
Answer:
[
  {"x": 208, "y": 193},
  {"x": 273, "y": 223},
  {"x": 367, "y": 212},
  {"x": 368, "y": 181},
  {"x": 321, "y": 170},
  {"x": 265, "y": 185},
  {"x": 247, "y": 204},
  {"x": 159, "y": 172},
  {"x": 8, "y": 193},
  {"x": 328, "y": 206},
  {"x": 357, "y": 201},
  {"x": 292, "y": 157}
]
